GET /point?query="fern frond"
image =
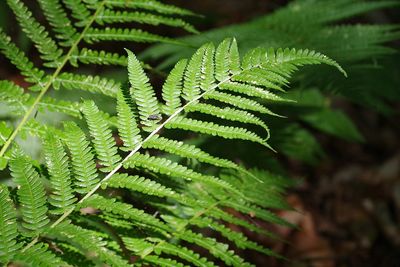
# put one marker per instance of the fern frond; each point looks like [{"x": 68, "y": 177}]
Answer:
[
  {"x": 172, "y": 88},
  {"x": 78, "y": 11},
  {"x": 142, "y": 93},
  {"x": 183, "y": 253},
  {"x": 228, "y": 114},
  {"x": 198, "y": 73},
  {"x": 31, "y": 195},
  {"x": 163, "y": 262},
  {"x": 250, "y": 90},
  {"x": 151, "y": 5},
  {"x": 39, "y": 255},
  {"x": 18, "y": 58},
  {"x": 89, "y": 56},
  {"x": 219, "y": 214},
  {"x": 103, "y": 141},
  {"x": 94, "y": 84},
  {"x": 123, "y": 209},
  {"x": 238, "y": 238},
  {"x": 227, "y": 59},
  {"x": 186, "y": 151},
  {"x": 111, "y": 16},
  {"x": 46, "y": 46},
  {"x": 228, "y": 132},
  {"x": 82, "y": 158},
  {"x": 95, "y": 35},
  {"x": 13, "y": 95},
  {"x": 62, "y": 26},
  {"x": 173, "y": 169},
  {"x": 140, "y": 184},
  {"x": 62, "y": 197},
  {"x": 239, "y": 102},
  {"x": 8, "y": 227},
  {"x": 140, "y": 247},
  {"x": 217, "y": 249},
  {"x": 298, "y": 58},
  {"x": 127, "y": 128},
  {"x": 260, "y": 213},
  {"x": 89, "y": 244},
  {"x": 62, "y": 106}
]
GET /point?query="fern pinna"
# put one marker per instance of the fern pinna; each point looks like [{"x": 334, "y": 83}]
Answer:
[{"x": 117, "y": 188}]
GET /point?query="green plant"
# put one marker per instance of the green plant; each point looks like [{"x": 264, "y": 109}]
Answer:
[
  {"x": 141, "y": 190},
  {"x": 324, "y": 26}
]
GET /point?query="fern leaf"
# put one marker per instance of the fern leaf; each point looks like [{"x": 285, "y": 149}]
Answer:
[
  {"x": 8, "y": 227},
  {"x": 163, "y": 262},
  {"x": 219, "y": 250},
  {"x": 37, "y": 33},
  {"x": 258, "y": 212},
  {"x": 88, "y": 243},
  {"x": 222, "y": 60},
  {"x": 173, "y": 169},
  {"x": 143, "y": 94},
  {"x": 94, "y": 84},
  {"x": 82, "y": 158},
  {"x": 254, "y": 78},
  {"x": 210, "y": 128},
  {"x": 172, "y": 88},
  {"x": 239, "y": 102},
  {"x": 94, "y": 35},
  {"x": 89, "y": 56},
  {"x": 183, "y": 253},
  {"x": 150, "y": 5},
  {"x": 31, "y": 195},
  {"x": 298, "y": 58},
  {"x": 234, "y": 58},
  {"x": 238, "y": 238},
  {"x": 65, "y": 107},
  {"x": 142, "y": 248},
  {"x": 58, "y": 19},
  {"x": 14, "y": 96},
  {"x": 5, "y": 132},
  {"x": 207, "y": 68},
  {"x": 199, "y": 73},
  {"x": 78, "y": 11},
  {"x": 62, "y": 197},
  {"x": 127, "y": 127},
  {"x": 186, "y": 151},
  {"x": 39, "y": 129},
  {"x": 110, "y": 16},
  {"x": 228, "y": 114},
  {"x": 123, "y": 209},
  {"x": 18, "y": 58},
  {"x": 140, "y": 184},
  {"x": 103, "y": 141},
  {"x": 220, "y": 214},
  {"x": 39, "y": 255},
  {"x": 251, "y": 90}
]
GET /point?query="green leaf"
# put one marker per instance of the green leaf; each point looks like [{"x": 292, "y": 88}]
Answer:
[
  {"x": 8, "y": 227},
  {"x": 31, "y": 195},
  {"x": 103, "y": 141},
  {"x": 143, "y": 94}
]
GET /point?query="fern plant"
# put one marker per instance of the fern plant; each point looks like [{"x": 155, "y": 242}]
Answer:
[
  {"x": 363, "y": 49},
  {"x": 127, "y": 187}
]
